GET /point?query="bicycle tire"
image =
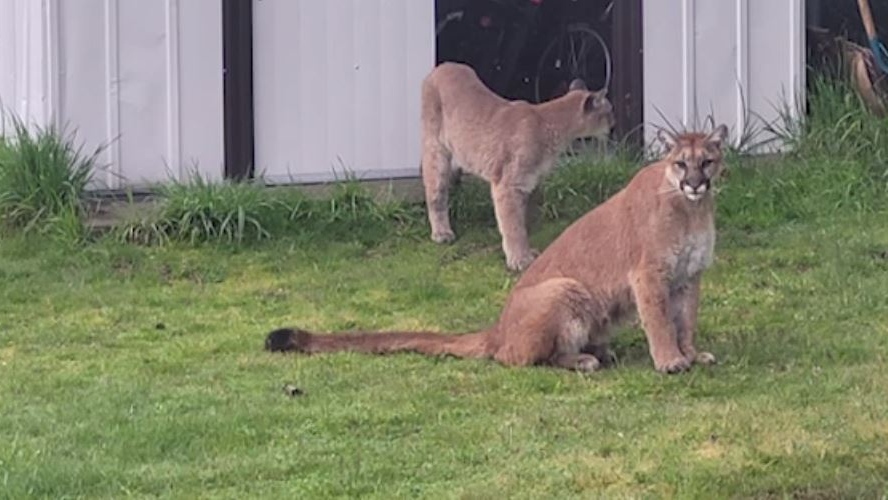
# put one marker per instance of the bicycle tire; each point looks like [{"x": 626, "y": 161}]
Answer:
[{"x": 584, "y": 29}]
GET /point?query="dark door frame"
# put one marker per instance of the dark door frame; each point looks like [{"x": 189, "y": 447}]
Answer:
[
  {"x": 627, "y": 87},
  {"x": 237, "y": 58}
]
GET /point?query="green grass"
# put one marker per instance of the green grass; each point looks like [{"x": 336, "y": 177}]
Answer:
[
  {"x": 43, "y": 177},
  {"x": 242, "y": 213},
  {"x": 138, "y": 370}
]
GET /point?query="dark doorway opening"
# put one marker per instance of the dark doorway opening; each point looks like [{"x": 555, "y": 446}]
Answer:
[
  {"x": 532, "y": 49},
  {"x": 237, "y": 58},
  {"x": 837, "y": 47}
]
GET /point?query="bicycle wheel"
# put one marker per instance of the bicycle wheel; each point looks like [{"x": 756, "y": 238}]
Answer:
[{"x": 577, "y": 52}]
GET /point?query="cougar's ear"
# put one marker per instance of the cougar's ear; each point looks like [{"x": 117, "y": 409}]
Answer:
[
  {"x": 591, "y": 103},
  {"x": 666, "y": 138},
  {"x": 577, "y": 84},
  {"x": 600, "y": 97},
  {"x": 717, "y": 137}
]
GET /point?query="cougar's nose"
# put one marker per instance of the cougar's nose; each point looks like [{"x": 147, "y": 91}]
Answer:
[{"x": 697, "y": 184}]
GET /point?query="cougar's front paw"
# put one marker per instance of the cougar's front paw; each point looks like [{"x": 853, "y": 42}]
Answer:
[
  {"x": 674, "y": 364},
  {"x": 443, "y": 236},
  {"x": 522, "y": 261}
]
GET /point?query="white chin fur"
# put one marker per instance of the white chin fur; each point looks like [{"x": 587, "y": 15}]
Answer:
[{"x": 692, "y": 195}]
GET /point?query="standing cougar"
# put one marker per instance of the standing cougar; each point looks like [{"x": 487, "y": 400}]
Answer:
[
  {"x": 509, "y": 144},
  {"x": 645, "y": 248}
]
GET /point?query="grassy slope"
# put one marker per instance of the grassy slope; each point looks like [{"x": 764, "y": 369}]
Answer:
[{"x": 139, "y": 371}]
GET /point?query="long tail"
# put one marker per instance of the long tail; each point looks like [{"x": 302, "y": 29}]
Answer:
[{"x": 468, "y": 345}]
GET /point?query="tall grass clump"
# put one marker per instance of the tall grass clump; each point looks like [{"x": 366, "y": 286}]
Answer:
[
  {"x": 43, "y": 177},
  {"x": 583, "y": 182},
  {"x": 838, "y": 124},
  {"x": 834, "y": 161},
  {"x": 199, "y": 210}
]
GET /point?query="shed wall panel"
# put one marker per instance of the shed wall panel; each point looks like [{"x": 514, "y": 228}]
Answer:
[
  {"x": 741, "y": 61},
  {"x": 141, "y": 79},
  {"x": 25, "y": 88},
  {"x": 337, "y": 87}
]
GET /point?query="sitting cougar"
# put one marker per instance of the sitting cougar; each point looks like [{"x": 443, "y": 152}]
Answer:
[
  {"x": 509, "y": 144},
  {"x": 645, "y": 248}
]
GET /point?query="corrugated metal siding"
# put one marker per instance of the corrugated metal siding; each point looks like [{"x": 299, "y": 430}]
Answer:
[
  {"x": 25, "y": 83},
  {"x": 337, "y": 83},
  {"x": 740, "y": 60},
  {"x": 337, "y": 87},
  {"x": 143, "y": 77}
]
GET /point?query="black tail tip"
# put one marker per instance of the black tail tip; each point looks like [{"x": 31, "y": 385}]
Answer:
[{"x": 285, "y": 339}]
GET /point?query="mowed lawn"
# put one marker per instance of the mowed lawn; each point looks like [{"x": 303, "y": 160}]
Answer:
[{"x": 139, "y": 372}]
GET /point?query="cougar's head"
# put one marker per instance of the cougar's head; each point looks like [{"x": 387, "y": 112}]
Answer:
[
  {"x": 694, "y": 160},
  {"x": 597, "y": 114}
]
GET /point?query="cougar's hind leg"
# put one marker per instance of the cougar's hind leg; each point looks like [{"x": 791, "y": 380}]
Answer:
[
  {"x": 549, "y": 324},
  {"x": 581, "y": 362},
  {"x": 436, "y": 178},
  {"x": 603, "y": 352}
]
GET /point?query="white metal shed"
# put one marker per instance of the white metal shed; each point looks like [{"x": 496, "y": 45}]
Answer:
[{"x": 334, "y": 83}]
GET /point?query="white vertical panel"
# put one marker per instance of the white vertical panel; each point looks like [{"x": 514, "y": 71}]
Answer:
[
  {"x": 144, "y": 79},
  {"x": 665, "y": 75},
  {"x": 769, "y": 58},
  {"x": 339, "y": 45},
  {"x": 369, "y": 143},
  {"x": 51, "y": 55},
  {"x": 26, "y": 61},
  {"x": 741, "y": 32},
  {"x": 337, "y": 85},
  {"x": 394, "y": 121},
  {"x": 200, "y": 108},
  {"x": 112, "y": 137},
  {"x": 689, "y": 60},
  {"x": 737, "y": 63},
  {"x": 798, "y": 61},
  {"x": 83, "y": 95},
  {"x": 173, "y": 88},
  {"x": 8, "y": 47},
  {"x": 141, "y": 77},
  {"x": 716, "y": 56},
  {"x": 142, "y": 65}
]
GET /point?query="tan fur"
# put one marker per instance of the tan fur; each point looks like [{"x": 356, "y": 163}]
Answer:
[
  {"x": 510, "y": 144},
  {"x": 643, "y": 249}
]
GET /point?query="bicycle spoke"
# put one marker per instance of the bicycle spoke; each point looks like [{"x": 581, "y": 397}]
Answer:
[
  {"x": 583, "y": 67},
  {"x": 573, "y": 52}
]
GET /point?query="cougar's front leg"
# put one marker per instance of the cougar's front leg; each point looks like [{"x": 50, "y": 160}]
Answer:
[
  {"x": 436, "y": 178},
  {"x": 652, "y": 300},
  {"x": 687, "y": 302},
  {"x": 510, "y": 207}
]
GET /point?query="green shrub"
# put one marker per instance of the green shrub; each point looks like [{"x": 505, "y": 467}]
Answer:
[
  {"x": 199, "y": 210},
  {"x": 835, "y": 162},
  {"x": 43, "y": 176}
]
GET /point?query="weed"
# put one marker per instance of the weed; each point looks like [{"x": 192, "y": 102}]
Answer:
[
  {"x": 199, "y": 210},
  {"x": 43, "y": 176}
]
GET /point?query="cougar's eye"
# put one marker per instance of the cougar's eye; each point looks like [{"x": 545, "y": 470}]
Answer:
[
  {"x": 682, "y": 165},
  {"x": 707, "y": 163}
]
